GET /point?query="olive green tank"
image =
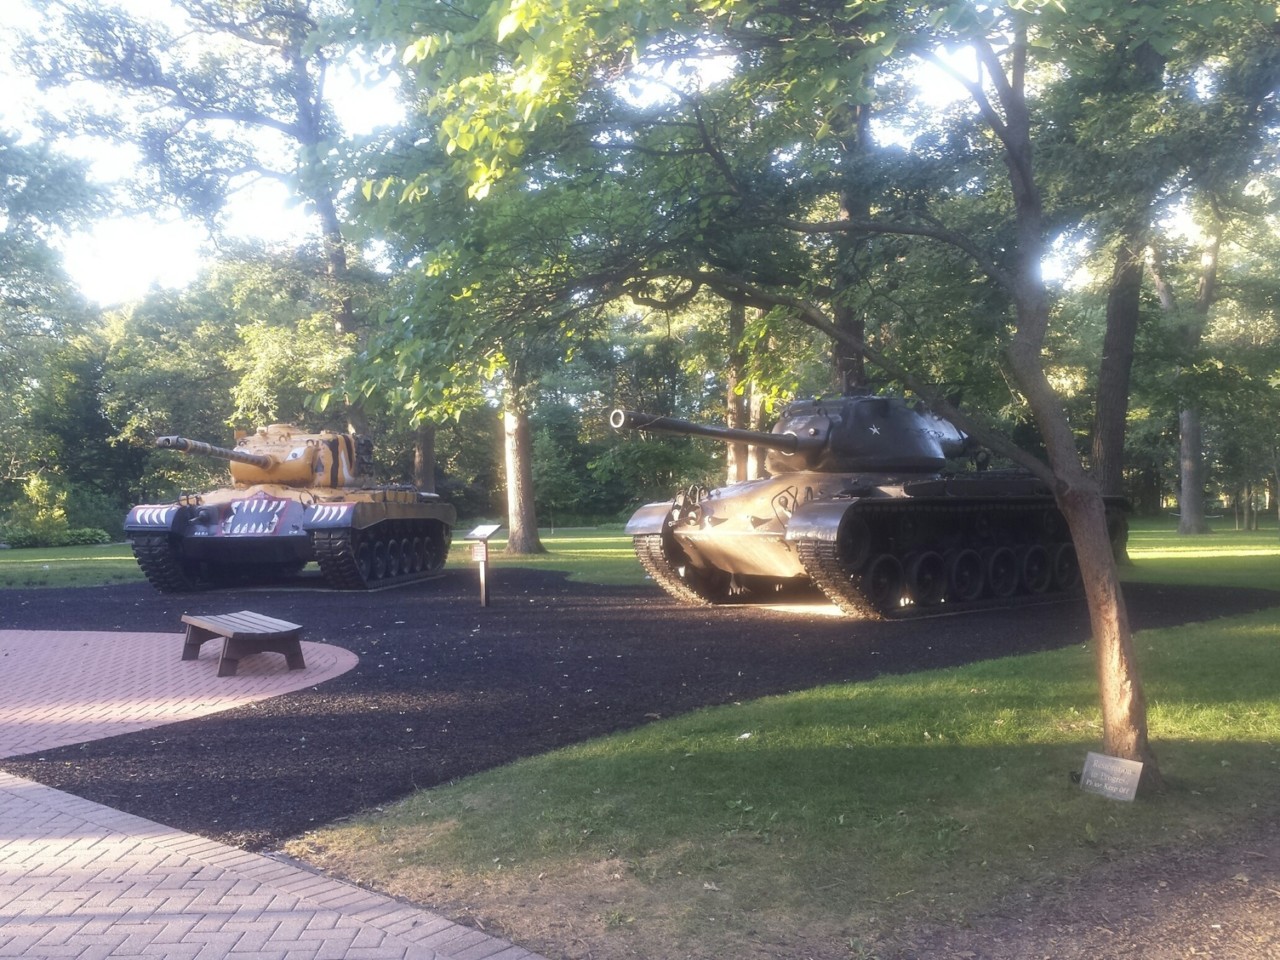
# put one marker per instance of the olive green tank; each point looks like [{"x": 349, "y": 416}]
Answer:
[{"x": 860, "y": 504}]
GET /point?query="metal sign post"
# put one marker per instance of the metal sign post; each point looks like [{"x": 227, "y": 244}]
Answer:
[{"x": 480, "y": 554}]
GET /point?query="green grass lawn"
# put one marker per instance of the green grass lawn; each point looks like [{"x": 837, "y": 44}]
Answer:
[
  {"x": 67, "y": 566},
  {"x": 840, "y": 812},
  {"x": 834, "y": 813},
  {"x": 591, "y": 555},
  {"x": 602, "y": 555},
  {"x": 1226, "y": 557}
]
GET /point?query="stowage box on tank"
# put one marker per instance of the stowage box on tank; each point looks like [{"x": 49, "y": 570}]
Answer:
[
  {"x": 859, "y": 503},
  {"x": 294, "y": 497}
]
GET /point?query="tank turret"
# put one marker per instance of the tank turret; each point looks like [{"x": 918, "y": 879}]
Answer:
[
  {"x": 859, "y": 503},
  {"x": 295, "y": 497},
  {"x": 281, "y": 453},
  {"x": 839, "y": 435}
]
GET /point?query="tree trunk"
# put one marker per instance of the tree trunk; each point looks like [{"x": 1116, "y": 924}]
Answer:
[
  {"x": 1124, "y": 709},
  {"x": 522, "y": 520},
  {"x": 1191, "y": 518},
  {"x": 850, "y": 366},
  {"x": 1112, "y": 405},
  {"x": 424, "y": 456},
  {"x": 1124, "y": 712},
  {"x": 1275, "y": 469},
  {"x": 737, "y": 455},
  {"x": 758, "y": 454},
  {"x": 1111, "y": 408},
  {"x": 1190, "y": 442}
]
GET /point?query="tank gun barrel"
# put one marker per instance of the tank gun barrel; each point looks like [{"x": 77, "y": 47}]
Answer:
[
  {"x": 209, "y": 450},
  {"x": 651, "y": 423}
]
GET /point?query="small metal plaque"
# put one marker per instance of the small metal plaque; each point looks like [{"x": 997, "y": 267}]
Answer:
[
  {"x": 483, "y": 532},
  {"x": 480, "y": 551},
  {"x": 1110, "y": 776}
]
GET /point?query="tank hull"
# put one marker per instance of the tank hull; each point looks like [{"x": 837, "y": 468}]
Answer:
[
  {"x": 361, "y": 538},
  {"x": 876, "y": 545}
]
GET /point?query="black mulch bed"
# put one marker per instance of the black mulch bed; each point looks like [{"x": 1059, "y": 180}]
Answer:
[{"x": 446, "y": 688}]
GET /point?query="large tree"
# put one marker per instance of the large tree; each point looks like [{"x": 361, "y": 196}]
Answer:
[
  {"x": 214, "y": 95},
  {"x": 42, "y": 197},
  {"x": 753, "y": 182}
]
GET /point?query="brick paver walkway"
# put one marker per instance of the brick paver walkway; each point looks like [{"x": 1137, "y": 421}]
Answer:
[
  {"x": 81, "y": 880},
  {"x": 60, "y": 688}
]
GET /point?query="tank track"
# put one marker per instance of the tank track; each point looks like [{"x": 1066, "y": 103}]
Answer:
[
  {"x": 686, "y": 583},
  {"x": 162, "y": 564},
  {"x": 820, "y": 558},
  {"x": 1019, "y": 553},
  {"x": 382, "y": 555}
]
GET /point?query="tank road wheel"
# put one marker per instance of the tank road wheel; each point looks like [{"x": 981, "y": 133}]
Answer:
[
  {"x": 964, "y": 575},
  {"x": 1066, "y": 569},
  {"x": 364, "y": 560},
  {"x": 1034, "y": 571},
  {"x": 926, "y": 578},
  {"x": 410, "y": 557},
  {"x": 394, "y": 566},
  {"x": 435, "y": 549},
  {"x": 379, "y": 569},
  {"x": 882, "y": 582},
  {"x": 1001, "y": 568},
  {"x": 663, "y": 560}
]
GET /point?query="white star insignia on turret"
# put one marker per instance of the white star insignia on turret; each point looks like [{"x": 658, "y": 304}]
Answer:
[{"x": 875, "y": 430}]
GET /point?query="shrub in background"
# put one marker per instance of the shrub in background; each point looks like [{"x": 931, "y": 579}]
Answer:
[{"x": 45, "y": 513}]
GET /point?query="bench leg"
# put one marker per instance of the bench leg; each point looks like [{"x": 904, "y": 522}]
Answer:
[
  {"x": 229, "y": 662},
  {"x": 233, "y": 650},
  {"x": 196, "y": 637}
]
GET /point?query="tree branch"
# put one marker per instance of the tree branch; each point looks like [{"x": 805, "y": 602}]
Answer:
[{"x": 928, "y": 231}]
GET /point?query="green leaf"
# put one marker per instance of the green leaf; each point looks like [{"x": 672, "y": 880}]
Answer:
[{"x": 508, "y": 25}]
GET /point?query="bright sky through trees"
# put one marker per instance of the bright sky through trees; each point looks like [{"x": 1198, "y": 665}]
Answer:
[{"x": 120, "y": 258}]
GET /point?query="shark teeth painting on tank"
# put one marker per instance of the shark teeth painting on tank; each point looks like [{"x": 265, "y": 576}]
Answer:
[{"x": 260, "y": 515}]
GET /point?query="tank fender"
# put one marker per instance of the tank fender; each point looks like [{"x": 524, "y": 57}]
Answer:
[
  {"x": 155, "y": 517},
  {"x": 818, "y": 519},
  {"x": 651, "y": 518}
]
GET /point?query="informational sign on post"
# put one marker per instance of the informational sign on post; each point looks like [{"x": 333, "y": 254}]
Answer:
[
  {"x": 479, "y": 538},
  {"x": 1111, "y": 777}
]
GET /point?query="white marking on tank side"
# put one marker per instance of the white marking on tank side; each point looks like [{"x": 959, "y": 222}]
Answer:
[
  {"x": 328, "y": 513},
  {"x": 153, "y": 516}
]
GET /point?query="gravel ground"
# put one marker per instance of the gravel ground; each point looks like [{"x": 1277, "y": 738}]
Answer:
[{"x": 446, "y": 688}]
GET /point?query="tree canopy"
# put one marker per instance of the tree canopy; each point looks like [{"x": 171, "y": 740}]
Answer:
[{"x": 1053, "y": 222}]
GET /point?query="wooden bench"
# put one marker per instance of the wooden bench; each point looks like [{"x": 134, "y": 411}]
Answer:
[{"x": 245, "y": 633}]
